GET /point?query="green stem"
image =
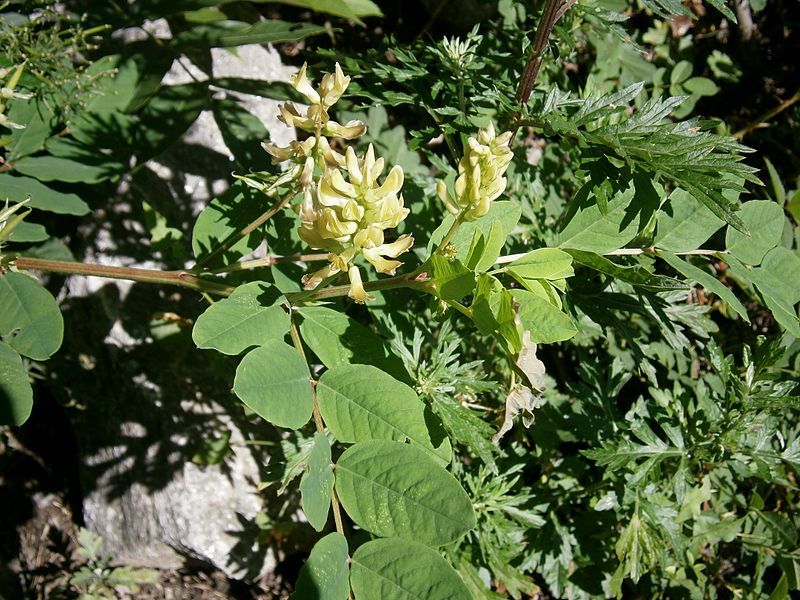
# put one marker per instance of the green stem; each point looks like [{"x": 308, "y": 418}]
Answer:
[
  {"x": 448, "y": 237},
  {"x": 408, "y": 280},
  {"x": 180, "y": 278}
]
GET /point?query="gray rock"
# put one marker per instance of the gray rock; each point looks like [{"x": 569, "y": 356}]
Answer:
[{"x": 151, "y": 504}]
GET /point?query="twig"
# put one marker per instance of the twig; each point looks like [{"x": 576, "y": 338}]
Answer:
[
  {"x": 180, "y": 278},
  {"x": 767, "y": 116},
  {"x": 552, "y": 12},
  {"x": 269, "y": 261},
  {"x": 248, "y": 229}
]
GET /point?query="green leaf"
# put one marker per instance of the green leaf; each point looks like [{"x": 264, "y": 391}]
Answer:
[
  {"x": 399, "y": 569},
  {"x": 493, "y": 311},
  {"x": 708, "y": 281},
  {"x": 635, "y": 275},
  {"x": 593, "y": 231},
  {"x": 778, "y": 191},
  {"x": 701, "y": 86},
  {"x": 25, "y": 232},
  {"x": 316, "y": 485},
  {"x": 226, "y": 34},
  {"x": 543, "y": 263},
  {"x": 42, "y": 197},
  {"x": 16, "y": 395},
  {"x": 764, "y": 220},
  {"x": 224, "y": 216},
  {"x": 249, "y": 317},
  {"x": 360, "y": 403},
  {"x": 242, "y": 133},
  {"x": 451, "y": 280},
  {"x": 274, "y": 382},
  {"x": 394, "y": 489},
  {"x": 680, "y": 72},
  {"x": 339, "y": 340},
  {"x": 467, "y": 428},
  {"x": 52, "y": 168},
  {"x": 776, "y": 280},
  {"x": 485, "y": 248},
  {"x": 546, "y": 323},
  {"x": 506, "y": 212},
  {"x": 37, "y": 117},
  {"x": 347, "y": 9},
  {"x": 684, "y": 224},
  {"x": 325, "y": 575},
  {"x": 30, "y": 321}
]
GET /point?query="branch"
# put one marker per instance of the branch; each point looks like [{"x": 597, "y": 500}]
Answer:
[
  {"x": 247, "y": 230},
  {"x": 179, "y": 278}
]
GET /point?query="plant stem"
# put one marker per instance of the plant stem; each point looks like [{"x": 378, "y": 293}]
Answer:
[
  {"x": 248, "y": 229},
  {"x": 552, "y": 12},
  {"x": 269, "y": 261},
  {"x": 180, "y": 278},
  {"x": 739, "y": 135},
  {"x": 448, "y": 237},
  {"x": 409, "y": 280},
  {"x": 318, "y": 422}
]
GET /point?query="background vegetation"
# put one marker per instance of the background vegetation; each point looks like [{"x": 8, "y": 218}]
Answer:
[{"x": 659, "y": 147}]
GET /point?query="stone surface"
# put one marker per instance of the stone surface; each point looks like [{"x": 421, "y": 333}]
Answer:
[{"x": 143, "y": 494}]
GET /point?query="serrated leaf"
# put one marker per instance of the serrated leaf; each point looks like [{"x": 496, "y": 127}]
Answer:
[
  {"x": 249, "y": 317},
  {"x": 30, "y": 320},
  {"x": 16, "y": 395},
  {"x": 708, "y": 281},
  {"x": 325, "y": 575},
  {"x": 339, "y": 340},
  {"x": 316, "y": 485},
  {"x": 403, "y": 570},
  {"x": 764, "y": 220},
  {"x": 274, "y": 381},
  {"x": 635, "y": 275},
  {"x": 360, "y": 403},
  {"x": 394, "y": 489},
  {"x": 467, "y": 428}
]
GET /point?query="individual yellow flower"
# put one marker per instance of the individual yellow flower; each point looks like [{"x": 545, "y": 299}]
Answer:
[{"x": 480, "y": 175}]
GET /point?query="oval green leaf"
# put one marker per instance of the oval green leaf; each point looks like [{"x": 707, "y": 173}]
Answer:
[
  {"x": 42, "y": 197},
  {"x": 249, "y": 317},
  {"x": 30, "y": 321},
  {"x": 316, "y": 484},
  {"x": 325, "y": 574},
  {"x": 403, "y": 570},
  {"x": 393, "y": 489},
  {"x": 16, "y": 395},
  {"x": 339, "y": 340},
  {"x": 764, "y": 220},
  {"x": 361, "y": 402},
  {"x": 273, "y": 380}
]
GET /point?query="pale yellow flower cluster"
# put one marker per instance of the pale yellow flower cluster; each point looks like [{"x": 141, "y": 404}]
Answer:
[
  {"x": 480, "y": 175},
  {"x": 347, "y": 209}
]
